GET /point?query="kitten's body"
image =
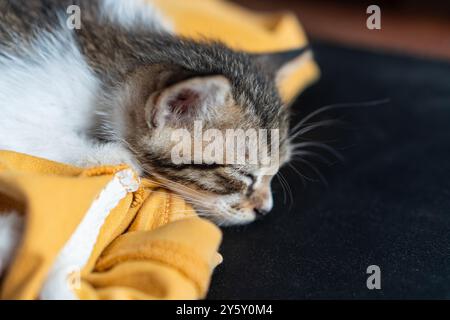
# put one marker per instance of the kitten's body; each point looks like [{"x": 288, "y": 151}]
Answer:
[
  {"x": 51, "y": 79},
  {"x": 113, "y": 91}
]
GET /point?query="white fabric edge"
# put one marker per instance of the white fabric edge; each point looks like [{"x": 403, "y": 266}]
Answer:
[{"x": 59, "y": 283}]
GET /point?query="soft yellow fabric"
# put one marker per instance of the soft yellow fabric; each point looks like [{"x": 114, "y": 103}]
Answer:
[
  {"x": 151, "y": 246},
  {"x": 144, "y": 248},
  {"x": 246, "y": 30}
]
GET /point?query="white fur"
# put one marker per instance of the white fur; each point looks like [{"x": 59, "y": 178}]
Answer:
[
  {"x": 10, "y": 232},
  {"x": 46, "y": 97},
  {"x": 134, "y": 13},
  {"x": 48, "y": 93}
]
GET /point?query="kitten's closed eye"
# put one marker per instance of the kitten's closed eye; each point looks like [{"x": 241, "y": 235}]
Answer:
[{"x": 251, "y": 177}]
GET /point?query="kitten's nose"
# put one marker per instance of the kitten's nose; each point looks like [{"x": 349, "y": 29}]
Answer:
[
  {"x": 260, "y": 212},
  {"x": 264, "y": 207},
  {"x": 262, "y": 201}
]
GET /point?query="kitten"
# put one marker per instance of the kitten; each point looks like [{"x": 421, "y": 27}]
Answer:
[{"x": 114, "y": 91}]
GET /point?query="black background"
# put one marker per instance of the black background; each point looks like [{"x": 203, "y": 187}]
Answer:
[{"x": 388, "y": 204}]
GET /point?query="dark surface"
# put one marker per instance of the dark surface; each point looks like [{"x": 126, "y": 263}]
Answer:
[{"x": 388, "y": 204}]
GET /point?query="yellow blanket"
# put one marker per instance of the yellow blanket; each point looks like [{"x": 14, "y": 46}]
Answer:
[{"x": 101, "y": 233}]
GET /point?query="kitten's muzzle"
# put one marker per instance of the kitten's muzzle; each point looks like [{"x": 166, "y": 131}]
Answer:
[
  {"x": 259, "y": 213},
  {"x": 262, "y": 201}
]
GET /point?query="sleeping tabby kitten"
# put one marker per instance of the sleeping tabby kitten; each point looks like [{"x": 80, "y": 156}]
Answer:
[{"x": 114, "y": 90}]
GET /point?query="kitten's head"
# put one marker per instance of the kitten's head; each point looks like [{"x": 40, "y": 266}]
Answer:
[{"x": 201, "y": 99}]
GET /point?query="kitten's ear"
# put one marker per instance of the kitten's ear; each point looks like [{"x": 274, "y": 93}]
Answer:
[
  {"x": 188, "y": 100},
  {"x": 282, "y": 63}
]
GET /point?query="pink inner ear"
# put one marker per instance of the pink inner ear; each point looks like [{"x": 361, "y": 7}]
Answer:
[{"x": 184, "y": 101}]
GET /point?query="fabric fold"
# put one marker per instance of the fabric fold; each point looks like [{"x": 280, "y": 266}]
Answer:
[{"x": 101, "y": 233}]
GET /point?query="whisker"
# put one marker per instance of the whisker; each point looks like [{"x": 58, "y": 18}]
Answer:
[
  {"x": 301, "y": 175},
  {"x": 339, "y": 106},
  {"x": 320, "y": 145},
  {"x": 314, "y": 168},
  {"x": 198, "y": 213},
  {"x": 165, "y": 193},
  {"x": 301, "y": 153},
  {"x": 170, "y": 184},
  {"x": 186, "y": 197},
  {"x": 283, "y": 187},
  {"x": 200, "y": 201},
  {"x": 291, "y": 197},
  {"x": 325, "y": 123}
]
